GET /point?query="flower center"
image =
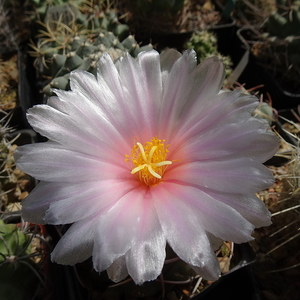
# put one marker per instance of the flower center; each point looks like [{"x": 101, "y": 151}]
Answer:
[{"x": 149, "y": 161}]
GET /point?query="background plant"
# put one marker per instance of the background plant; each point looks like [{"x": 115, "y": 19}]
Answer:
[
  {"x": 205, "y": 44},
  {"x": 275, "y": 37},
  {"x": 74, "y": 36}
]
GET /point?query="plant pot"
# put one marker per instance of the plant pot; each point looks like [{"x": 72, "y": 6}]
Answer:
[
  {"x": 252, "y": 74},
  {"x": 26, "y": 92},
  {"x": 161, "y": 37},
  {"x": 240, "y": 276}
]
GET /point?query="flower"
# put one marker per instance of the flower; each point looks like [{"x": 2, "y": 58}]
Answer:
[{"x": 148, "y": 153}]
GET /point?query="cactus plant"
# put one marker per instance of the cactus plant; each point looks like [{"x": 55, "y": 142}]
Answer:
[
  {"x": 79, "y": 44},
  {"x": 205, "y": 45},
  {"x": 19, "y": 278}
]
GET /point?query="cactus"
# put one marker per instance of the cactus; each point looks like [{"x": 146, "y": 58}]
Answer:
[
  {"x": 205, "y": 45},
  {"x": 19, "y": 272},
  {"x": 92, "y": 31},
  {"x": 19, "y": 278},
  {"x": 254, "y": 11},
  {"x": 42, "y": 6}
]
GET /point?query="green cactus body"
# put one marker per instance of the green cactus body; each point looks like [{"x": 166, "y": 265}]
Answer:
[
  {"x": 205, "y": 45},
  {"x": 80, "y": 43},
  {"x": 18, "y": 274}
]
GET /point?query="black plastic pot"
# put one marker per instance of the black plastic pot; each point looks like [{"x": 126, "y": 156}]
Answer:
[
  {"x": 26, "y": 93},
  {"x": 254, "y": 74},
  {"x": 162, "y": 40},
  {"x": 239, "y": 283}
]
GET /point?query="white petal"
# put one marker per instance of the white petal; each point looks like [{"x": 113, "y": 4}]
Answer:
[
  {"x": 207, "y": 80},
  {"x": 238, "y": 176},
  {"x": 141, "y": 109},
  {"x": 184, "y": 232},
  {"x": 216, "y": 217},
  {"x": 146, "y": 257},
  {"x": 78, "y": 131},
  {"x": 188, "y": 88},
  {"x": 77, "y": 243},
  {"x": 37, "y": 202},
  {"x": 151, "y": 72},
  {"x": 51, "y": 162},
  {"x": 167, "y": 60},
  {"x": 248, "y": 205},
  {"x": 247, "y": 139},
  {"x": 177, "y": 89},
  {"x": 215, "y": 112},
  {"x": 117, "y": 228},
  {"x": 81, "y": 200},
  {"x": 110, "y": 101}
]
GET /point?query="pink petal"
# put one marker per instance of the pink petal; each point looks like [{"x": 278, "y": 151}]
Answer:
[
  {"x": 184, "y": 232},
  {"x": 186, "y": 86}
]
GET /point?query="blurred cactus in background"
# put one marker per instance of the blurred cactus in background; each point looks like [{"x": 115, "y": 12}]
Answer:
[
  {"x": 21, "y": 245},
  {"x": 75, "y": 36},
  {"x": 18, "y": 275},
  {"x": 254, "y": 11},
  {"x": 205, "y": 45},
  {"x": 42, "y": 6}
]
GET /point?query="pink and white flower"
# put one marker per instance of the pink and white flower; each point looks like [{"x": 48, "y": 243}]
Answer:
[{"x": 148, "y": 153}]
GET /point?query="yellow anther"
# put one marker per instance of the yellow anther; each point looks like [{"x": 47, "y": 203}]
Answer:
[{"x": 149, "y": 161}]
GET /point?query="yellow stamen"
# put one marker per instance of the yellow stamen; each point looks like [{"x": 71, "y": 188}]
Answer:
[{"x": 149, "y": 161}]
